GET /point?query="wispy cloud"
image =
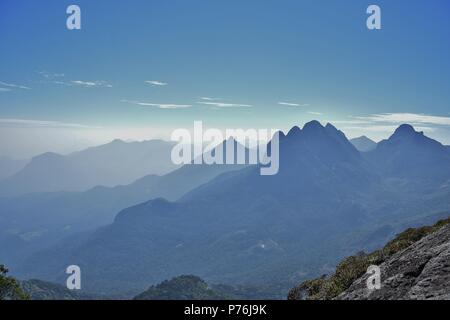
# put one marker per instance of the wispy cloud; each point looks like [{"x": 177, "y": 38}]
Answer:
[
  {"x": 384, "y": 128},
  {"x": 80, "y": 83},
  {"x": 4, "y": 89},
  {"x": 225, "y": 105},
  {"x": 411, "y": 118},
  {"x": 91, "y": 84},
  {"x": 56, "y": 78},
  {"x": 63, "y": 83},
  {"x": 292, "y": 104},
  {"x": 386, "y": 123},
  {"x": 50, "y": 75},
  {"x": 13, "y": 86},
  {"x": 158, "y": 105},
  {"x": 156, "y": 83},
  {"x": 40, "y": 123},
  {"x": 315, "y": 113},
  {"x": 210, "y": 99}
]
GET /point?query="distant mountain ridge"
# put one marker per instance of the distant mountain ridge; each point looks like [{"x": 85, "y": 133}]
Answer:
[
  {"x": 63, "y": 214},
  {"x": 244, "y": 228},
  {"x": 363, "y": 144},
  {"x": 112, "y": 164},
  {"x": 412, "y": 156}
]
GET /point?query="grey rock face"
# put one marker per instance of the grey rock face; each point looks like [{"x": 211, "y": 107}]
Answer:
[{"x": 420, "y": 272}]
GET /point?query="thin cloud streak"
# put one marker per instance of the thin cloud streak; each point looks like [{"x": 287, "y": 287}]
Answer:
[
  {"x": 49, "y": 75},
  {"x": 158, "y": 105},
  {"x": 91, "y": 84},
  {"x": 15, "y": 86},
  {"x": 40, "y": 124},
  {"x": 52, "y": 78},
  {"x": 291, "y": 104},
  {"x": 156, "y": 83},
  {"x": 411, "y": 118},
  {"x": 225, "y": 105},
  {"x": 210, "y": 99}
]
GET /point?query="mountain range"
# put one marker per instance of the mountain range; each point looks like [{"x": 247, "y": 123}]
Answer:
[
  {"x": 328, "y": 201},
  {"x": 112, "y": 164},
  {"x": 63, "y": 214}
]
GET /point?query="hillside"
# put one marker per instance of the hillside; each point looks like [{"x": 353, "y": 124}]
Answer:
[
  {"x": 43, "y": 290},
  {"x": 9, "y": 287},
  {"x": 63, "y": 214},
  {"x": 186, "y": 287},
  {"x": 414, "y": 265}
]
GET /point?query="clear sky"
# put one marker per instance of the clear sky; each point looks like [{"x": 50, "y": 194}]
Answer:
[{"x": 139, "y": 69}]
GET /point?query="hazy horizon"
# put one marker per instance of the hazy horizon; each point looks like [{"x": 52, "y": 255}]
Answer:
[{"x": 64, "y": 147}]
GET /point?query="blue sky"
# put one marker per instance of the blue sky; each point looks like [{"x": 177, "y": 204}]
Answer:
[{"x": 138, "y": 69}]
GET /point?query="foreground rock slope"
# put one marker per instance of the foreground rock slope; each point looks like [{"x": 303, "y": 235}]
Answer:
[
  {"x": 415, "y": 265},
  {"x": 422, "y": 271}
]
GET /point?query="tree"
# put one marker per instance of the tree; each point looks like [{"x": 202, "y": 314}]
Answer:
[{"x": 9, "y": 287}]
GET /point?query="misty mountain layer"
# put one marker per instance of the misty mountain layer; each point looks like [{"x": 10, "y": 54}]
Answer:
[
  {"x": 112, "y": 164},
  {"x": 327, "y": 201}
]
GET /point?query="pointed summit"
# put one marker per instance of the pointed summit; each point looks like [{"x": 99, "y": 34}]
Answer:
[
  {"x": 363, "y": 144},
  {"x": 405, "y": 129},
  {"x": 313, "y": 126},
  {"x": 408, "y": 153},
  {"x": 295, "y": 131}
]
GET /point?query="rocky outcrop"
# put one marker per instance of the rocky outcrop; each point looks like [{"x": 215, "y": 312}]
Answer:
[{"x": 421, "y": 271}]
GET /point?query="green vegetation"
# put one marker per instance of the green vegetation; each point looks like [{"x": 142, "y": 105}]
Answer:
[
  {"x": 9, "y": 287},
  {"x": 186, "y": 287},
  {"x": 43, "y": 290},
  {"x": 352, "y": 268}
]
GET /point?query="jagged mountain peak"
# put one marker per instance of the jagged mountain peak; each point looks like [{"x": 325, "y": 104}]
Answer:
[
  {"x": 365, "y": 138},
  {"x": 294, "y": 132},
  {"x": 408, "y": 153},
  {"x": 405, "y": 130},
  {"x": 407, "y": 134},
  {"x": 364, "y": 144},
  {"x": 313, "y": 126}
]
